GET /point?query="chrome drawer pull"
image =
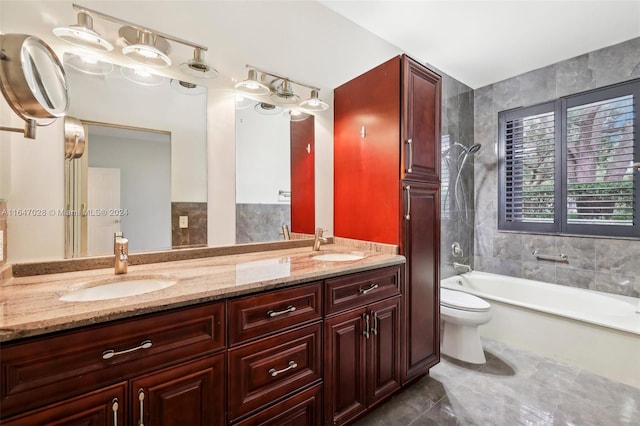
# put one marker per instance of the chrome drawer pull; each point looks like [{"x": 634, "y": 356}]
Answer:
[
  {"x": 410, "y": 143},
  {"x": 408, "y": 211},
  {"x": 274, "y": 372},
  {"x": 141, "y": 399},
  {"x": 114, "y": 407},
  {"x": 145, "y": 344},
  {"x": 286, "y": 310},
  {"x": 365, "y": 333},
  {"x": 367, "y": 290},
  {"x": 374, "y": 330}
]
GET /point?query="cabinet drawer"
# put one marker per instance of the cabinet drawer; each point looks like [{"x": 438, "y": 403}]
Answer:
[
  {"x": 105, "y": 406},
  {"x": 304, "y": 408},
  {"x": 259, "y": 315},
  {"x": 48, "y": 369},
  {"x": 271, "y": 368},
  {"x": 355, "y": 290}
]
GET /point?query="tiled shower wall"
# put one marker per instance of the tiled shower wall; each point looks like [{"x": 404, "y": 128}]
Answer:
[
  {"x": 457, "y": 216},
  {"x": 605, "y": 264}
]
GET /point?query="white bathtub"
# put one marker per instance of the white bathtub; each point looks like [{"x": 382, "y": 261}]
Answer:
[{"x": 599, "y": 332}]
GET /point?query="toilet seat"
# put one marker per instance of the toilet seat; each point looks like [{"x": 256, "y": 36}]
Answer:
[{"x": 460, "y": 300}]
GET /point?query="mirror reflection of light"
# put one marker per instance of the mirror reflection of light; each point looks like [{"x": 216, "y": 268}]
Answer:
[
  {"x": 89, "y": 60},
  {"x": 142, "y": 75}
]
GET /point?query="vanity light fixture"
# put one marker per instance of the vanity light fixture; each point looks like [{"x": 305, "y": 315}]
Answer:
[
  {"x": 141, "y": 75},
  {"x": 284, "y": 93},
  {"x": 82, "y": 34},
  {"x": 252, "y": 86},
  {"x": 197, "y": 67},
  {"x": 280, "y": 89},
  {"x": 142, "y": 44},
  {"x": 145, "y": 47},
  {"x": 268, "y": 109},
  {"x": 187, "y": 88},
  {"x": 314, "y": 103}
]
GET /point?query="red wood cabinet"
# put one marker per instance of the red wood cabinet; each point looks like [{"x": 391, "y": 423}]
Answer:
[
  {"x": 40, "y": 371},
  {"x": 420, "y": 129},
  {"x": 186, "y": 394},
  {"x": 303, "y": 176},
  {"x": 302, "y": 409},
  {"x": 386, "y": 138},
  {"x": 104, "y": 407},
  {"x": 421, "y": 294},
  {"x": 362, "y": 360}
]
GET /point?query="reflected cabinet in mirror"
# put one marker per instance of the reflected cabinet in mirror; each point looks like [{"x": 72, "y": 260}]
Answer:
[
  {"x": 275, "y": 184},
  {"x": 144, "y": 167}
]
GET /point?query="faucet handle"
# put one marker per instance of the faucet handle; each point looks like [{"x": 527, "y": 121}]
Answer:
[{"x": 285, "y": 232}]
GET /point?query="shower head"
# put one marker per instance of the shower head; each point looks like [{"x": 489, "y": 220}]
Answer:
[
  {"x": 474, "y": 148},
  {"x": 470, "y": 149}
]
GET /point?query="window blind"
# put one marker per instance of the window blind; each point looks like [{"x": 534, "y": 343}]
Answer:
[
  {"x": 566, "y": 166},
  {"x": 529, "y": 168},
  {"x": 599, "y": 158}
]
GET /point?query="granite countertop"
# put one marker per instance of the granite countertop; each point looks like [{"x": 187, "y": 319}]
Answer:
[{"x": 30, "y": 306}]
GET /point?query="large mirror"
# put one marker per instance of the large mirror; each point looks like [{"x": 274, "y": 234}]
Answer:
[
  {"x": 144, "y": 167},
  {"x": 275, "y": 160},
  {"x": 150, "y": 143}
]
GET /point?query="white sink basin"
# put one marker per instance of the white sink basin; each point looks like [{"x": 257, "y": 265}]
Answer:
[
  {"x": 117, "y": 289},
  {"x": 338, "y": 257}
]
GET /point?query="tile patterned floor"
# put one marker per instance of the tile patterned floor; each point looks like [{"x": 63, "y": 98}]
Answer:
[{"x": 513, "y": 388}]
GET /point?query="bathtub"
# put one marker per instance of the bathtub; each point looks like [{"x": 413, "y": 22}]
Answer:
[{"x": 598, "y": 332}]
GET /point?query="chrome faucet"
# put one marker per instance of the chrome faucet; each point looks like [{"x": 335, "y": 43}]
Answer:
[
  {"x": 318, "y": 239},
  {"x": 457, "y": 266},
  {"x": 121, "y": 251}
]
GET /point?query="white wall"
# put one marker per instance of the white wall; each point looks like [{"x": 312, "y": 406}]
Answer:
[
  {"x": 263, "y": 150},
  {"x": 115, "y": 100},
  {"x": 300, "y": 39},
  {"x": 145, "y": 186}
]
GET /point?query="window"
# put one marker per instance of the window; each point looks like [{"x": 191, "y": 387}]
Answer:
[{"x": 567, "y": 166}]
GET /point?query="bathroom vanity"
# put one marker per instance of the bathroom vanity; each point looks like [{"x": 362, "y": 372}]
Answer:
[{"x": 255, "y": 338}]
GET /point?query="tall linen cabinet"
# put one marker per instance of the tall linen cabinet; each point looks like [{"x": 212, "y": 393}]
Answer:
[{"x": 387, "y": 188}]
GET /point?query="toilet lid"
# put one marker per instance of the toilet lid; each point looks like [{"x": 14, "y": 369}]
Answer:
[{"x": 464, "y": 301}]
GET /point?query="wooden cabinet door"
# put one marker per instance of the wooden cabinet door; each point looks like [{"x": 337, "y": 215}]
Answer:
[
  {"x": 273, "y": 368},
  {"x": 366, "y": 158},
  {"x": 384, "y": 349},
  {"x": 303, "y": 215},
  {"x": 421, "y": 296},
  {"x": 103, "y": 407},
  {"x": 420, "y": 122},
  {"x": 302, "y": 409},
  {"x": 345, "y": 367},
  {"x": 187, "y": 394}
]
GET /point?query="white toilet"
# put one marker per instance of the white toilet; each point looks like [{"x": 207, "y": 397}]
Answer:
[{"x": 461, "y": 314}]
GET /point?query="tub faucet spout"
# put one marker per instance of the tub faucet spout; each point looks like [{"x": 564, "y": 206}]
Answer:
[{"x": 461, "y": 266}]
